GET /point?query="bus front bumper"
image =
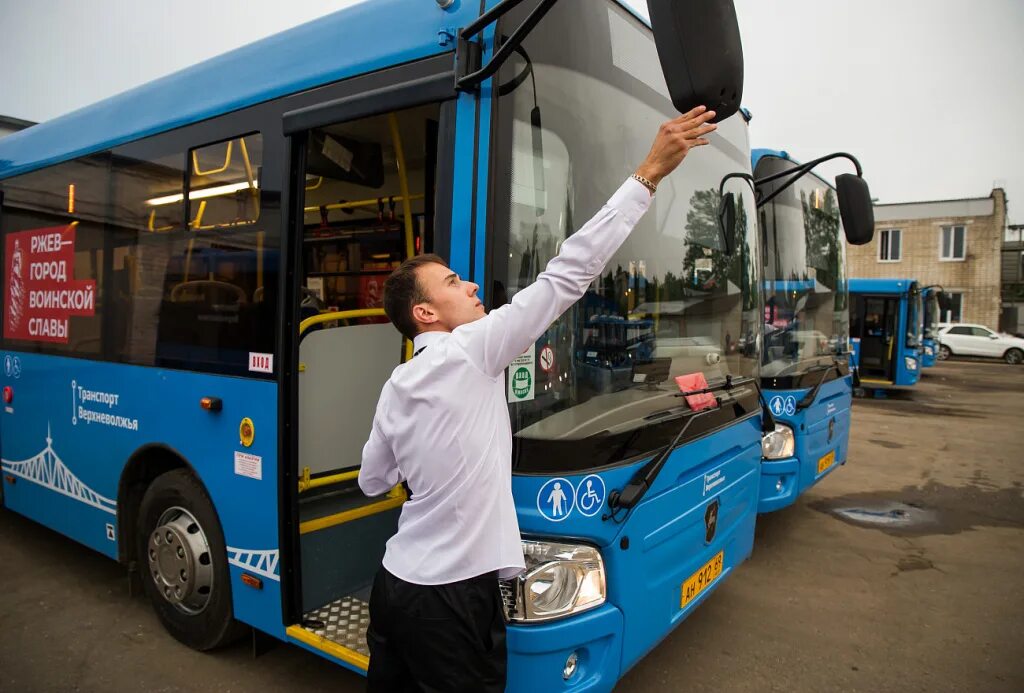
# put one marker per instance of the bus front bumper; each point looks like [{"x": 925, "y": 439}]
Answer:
[
  {"x": 780, "y": 484},
  {"x": 538, "y": 653}
]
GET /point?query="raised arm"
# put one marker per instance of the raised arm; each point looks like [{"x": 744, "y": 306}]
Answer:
[{"x": 495, "y": 340}]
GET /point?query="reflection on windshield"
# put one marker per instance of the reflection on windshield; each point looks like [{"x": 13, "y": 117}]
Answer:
[
  {"x": 670, "y": 302},
  {"x": 806, "y": 323}
]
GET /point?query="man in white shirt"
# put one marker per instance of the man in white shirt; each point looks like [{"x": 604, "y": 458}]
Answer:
[{"x": 442, "y": 427}]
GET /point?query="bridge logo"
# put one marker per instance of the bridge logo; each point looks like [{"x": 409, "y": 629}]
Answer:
[
  {"x": 47, "y": 470},
  {"x": 260, "y": 562}
]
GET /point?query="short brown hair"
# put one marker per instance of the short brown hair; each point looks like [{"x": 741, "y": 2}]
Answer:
[{"x": 402, "y": 291}]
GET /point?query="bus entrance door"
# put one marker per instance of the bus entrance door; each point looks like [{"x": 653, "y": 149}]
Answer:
[
  {"x": 367, "y": 204},
  {"x": 877, "y": 339}
]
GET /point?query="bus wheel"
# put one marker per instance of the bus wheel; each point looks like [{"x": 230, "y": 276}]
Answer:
[
  {"x": 184, "y": 563},
  {"x": 1013, "y": 356},
  {"x": 944, "y": 352}
]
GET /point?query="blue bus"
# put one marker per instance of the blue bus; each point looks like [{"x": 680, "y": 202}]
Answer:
[
  {"x": 805, "y": 365},
  {"x": 195, "y": 345},
  {"x": 887, "y": 323},
  {"x": 929, "y": 344}
]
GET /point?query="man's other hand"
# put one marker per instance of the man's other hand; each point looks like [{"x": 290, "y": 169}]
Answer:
[{"x": 674, "y": 141}]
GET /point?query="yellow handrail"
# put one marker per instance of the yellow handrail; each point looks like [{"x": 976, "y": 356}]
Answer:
[
  {"x": 394, "y": 499},
  {"x": 306, "y": 482},
  {"x": 199, "y": 172},
  {"x": 373, "y": 202},
  {"x": 403, "y": 183},
  {"x": 341, "y": 315}
]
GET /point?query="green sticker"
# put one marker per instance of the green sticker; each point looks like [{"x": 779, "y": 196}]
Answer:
[{"x": 522, "y": 383}]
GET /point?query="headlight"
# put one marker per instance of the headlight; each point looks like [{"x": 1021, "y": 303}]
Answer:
[
  {"x": 779, "y": 443},
  {"x": 911, "y": 363},
  {"x": 560, "y": 579}
]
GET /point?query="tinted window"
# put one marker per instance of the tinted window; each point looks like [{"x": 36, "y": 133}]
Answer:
[
  {"x": 198, "y": 291},
  {"x": 959, "y": 330},
  {"x": 136, "y": 274},
  {"x": 53, "y": 227}
]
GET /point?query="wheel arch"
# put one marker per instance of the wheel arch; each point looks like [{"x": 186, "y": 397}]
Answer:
[{"x": 142, "y": 468}]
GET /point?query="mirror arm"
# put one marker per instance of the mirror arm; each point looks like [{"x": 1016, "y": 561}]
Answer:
[
  {"x": 738, "y": 174},
  {"x": 799, "y": 171},
  {"x": 472, "y": 80}
]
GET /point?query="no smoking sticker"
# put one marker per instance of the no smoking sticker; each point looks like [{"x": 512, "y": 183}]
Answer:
[{"x": 547, "y": 358}]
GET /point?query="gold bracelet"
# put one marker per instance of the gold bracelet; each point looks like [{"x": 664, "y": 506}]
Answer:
[{"x": 644, "y": 182}]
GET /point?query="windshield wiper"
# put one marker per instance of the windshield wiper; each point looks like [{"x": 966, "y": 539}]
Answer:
[
  {"x": 809, "y": 398},
  {"x": 632, "y": 492}
]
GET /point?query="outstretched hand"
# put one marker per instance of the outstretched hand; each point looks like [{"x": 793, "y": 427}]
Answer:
[{"x": 674, "y": 141}]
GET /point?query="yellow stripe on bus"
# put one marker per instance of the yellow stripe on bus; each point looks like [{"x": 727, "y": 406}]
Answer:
[{"x": 330, "y": 647}]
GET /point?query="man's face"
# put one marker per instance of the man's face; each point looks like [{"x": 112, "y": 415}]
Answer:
[{"x": 450, "y": 301}]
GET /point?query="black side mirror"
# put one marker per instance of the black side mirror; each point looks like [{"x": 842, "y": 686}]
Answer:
[
  {"x": 727, "y": 222},
  {"x": 700, "y": 51},
  {"x": 855, "y": 208}
]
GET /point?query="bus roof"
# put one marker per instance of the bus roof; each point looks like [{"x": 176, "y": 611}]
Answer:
[
  {"x": 880, "y": 286},
  {"x": 757, "y": 154},
  {"x": 355, "y": 40},
  {"x": 365, "y": 37}
]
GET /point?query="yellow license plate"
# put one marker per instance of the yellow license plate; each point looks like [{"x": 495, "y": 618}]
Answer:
[
  {"x": 826, "y": 461},
  {"x": 699, "y": 581}
]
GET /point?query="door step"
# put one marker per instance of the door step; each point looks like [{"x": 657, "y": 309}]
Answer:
[{"x": 338, "y": 629}]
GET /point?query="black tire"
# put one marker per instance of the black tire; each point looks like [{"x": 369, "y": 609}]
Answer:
[
  {"x": 1013, "y": 356},
  {"x": 944, "y": 352},
  {"x": 204, "y": 620}
]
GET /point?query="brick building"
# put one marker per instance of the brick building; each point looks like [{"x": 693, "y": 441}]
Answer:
[{"x": 953, "y": 243}]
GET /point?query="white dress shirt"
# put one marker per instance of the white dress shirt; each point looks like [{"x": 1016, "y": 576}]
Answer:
[{"x": 442, "y": 422}]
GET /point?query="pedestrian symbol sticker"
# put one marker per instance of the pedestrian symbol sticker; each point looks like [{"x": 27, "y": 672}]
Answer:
[
  {"x": 590, "y": 495},
  {"x": 521, "y": 377},
  {"x": 556, "y": 499},
  {"x": 782, "y": 405}
]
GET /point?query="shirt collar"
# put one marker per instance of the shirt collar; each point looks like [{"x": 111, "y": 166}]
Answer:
[{"x": 424, "y": 339}]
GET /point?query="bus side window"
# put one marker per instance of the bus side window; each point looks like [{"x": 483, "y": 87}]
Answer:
[{"x": 199, "y": 274}]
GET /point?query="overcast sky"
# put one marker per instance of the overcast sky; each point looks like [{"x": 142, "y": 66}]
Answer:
[{"x": 926, "y": 94}]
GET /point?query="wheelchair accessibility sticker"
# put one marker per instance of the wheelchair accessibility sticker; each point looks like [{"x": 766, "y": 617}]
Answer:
[
  {"x": 590, "y": 495},
  {"x": 783, "y": 405},
  {"x": 556, "y": 499}
]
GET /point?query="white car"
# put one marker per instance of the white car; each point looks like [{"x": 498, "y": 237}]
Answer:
[{"x": 964, "y": 339}]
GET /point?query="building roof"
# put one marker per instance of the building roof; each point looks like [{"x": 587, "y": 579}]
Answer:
[
  {"x": 11, "y": 123},
  {"x": 935, "y": 209}
]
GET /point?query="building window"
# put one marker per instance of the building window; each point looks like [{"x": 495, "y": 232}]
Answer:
[
  {"x": 954, "y": 243},
  {"x": 951, "y": 306},
  {"x": 890, "y": 245}
]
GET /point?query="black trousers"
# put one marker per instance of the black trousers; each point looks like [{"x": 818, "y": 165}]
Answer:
[{"x": 435, "y": 638}]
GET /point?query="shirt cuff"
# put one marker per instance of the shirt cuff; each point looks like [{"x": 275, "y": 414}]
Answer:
[{"x": 632, "y": 199}]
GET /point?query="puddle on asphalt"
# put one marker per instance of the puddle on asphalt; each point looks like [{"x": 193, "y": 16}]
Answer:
[
  {"x": 889, "y": 514},
  {"x": 930, "y": 509}
]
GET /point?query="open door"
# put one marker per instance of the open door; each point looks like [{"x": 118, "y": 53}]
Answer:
[
  {"x": 367, "y": 197},
  {"x": 875, "y": 323}
]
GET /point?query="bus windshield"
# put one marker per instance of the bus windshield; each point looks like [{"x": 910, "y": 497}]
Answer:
[
  {"x": 806, "y": 322},
  {"x": 577, "y": 110}
]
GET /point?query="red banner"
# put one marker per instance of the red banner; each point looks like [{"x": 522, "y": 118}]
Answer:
[{"x": 42, "y": 292}]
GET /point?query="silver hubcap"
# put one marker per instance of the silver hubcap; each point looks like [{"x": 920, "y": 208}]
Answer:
[
  {"x": 180, "y": 562},
  {"x": 1013, "y": 357}
]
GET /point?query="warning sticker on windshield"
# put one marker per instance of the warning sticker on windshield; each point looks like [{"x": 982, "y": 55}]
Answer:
[{"x": 521, "y": 376}]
